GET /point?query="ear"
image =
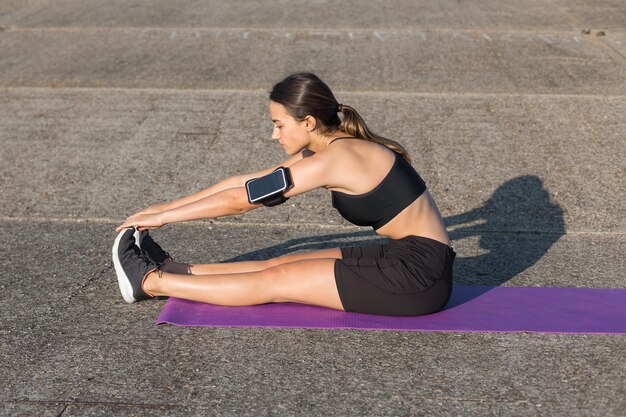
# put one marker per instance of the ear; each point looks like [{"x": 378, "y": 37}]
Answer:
[{"x": 309, "y": 123}]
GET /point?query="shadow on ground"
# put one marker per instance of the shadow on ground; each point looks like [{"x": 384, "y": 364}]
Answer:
[{"x": 514, "y": 228}]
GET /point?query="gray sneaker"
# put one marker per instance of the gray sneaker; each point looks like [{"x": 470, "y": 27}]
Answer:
[
  {"x": 150, "y": 248},
  {"x": 131, "y": 266}
]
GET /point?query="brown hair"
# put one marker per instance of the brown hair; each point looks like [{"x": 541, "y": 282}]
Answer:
[{"x": 303, "y": 94}]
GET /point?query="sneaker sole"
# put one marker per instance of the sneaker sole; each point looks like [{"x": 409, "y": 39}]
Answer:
[{"x": 125, "y": 287}]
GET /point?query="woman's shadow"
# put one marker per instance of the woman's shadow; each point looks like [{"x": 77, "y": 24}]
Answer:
[
  {"x": 513, "y": 230},
  {"x": 515, "y": 227}
]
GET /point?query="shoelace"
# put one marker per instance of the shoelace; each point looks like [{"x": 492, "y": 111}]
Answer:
[
  {"x": 158, "y": 247},
  {"x": 167, "y": 254},
  {"x": 147, "y": 260}
]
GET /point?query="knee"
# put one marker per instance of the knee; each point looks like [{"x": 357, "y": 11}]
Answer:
[
  {"x": 272, "y": 274},
  {"x": 272, "y": 282},
  {"x": 274, "y": 262}
]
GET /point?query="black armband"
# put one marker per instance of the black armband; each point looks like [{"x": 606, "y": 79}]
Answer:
[{"x": 270, "y": 189}]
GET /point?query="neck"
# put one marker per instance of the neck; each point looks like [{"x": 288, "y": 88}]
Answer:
[{"x": 320, "y": 142}]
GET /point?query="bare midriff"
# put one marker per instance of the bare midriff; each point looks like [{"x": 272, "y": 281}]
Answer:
[{"x": 420, "y": 218}]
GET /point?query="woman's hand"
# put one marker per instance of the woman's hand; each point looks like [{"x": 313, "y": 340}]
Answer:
[
  {"x": 157, "y": 208},
  {"x": 141, "y": 216},
  {"x": 143, "y": 221}
]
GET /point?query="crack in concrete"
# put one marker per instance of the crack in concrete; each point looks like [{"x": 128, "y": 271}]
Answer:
[
  {"x": 144, "y": 405},
  {"x": 374, "y": 93},
  {"x": 612, "y": 48},
  {"x": 88, "y": 282},
  {"x": 481, "y": 400},
  {"x": 566, "y": 11},
  {"x": 62, "y": 411},
  {"x": 79, "y": 403},
  {"x": 225, "y": 110},
  {"x": 576, "y": 20},
  {"x": 311, "y": 30}
]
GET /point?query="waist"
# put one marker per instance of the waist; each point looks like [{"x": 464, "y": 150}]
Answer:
[
  {"x": 420, "y": 219},
  {"x": 411, "y": 240}
]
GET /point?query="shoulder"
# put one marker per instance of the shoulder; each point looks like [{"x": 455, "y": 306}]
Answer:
[
  {"x": 315, "y": 170},
  {"x": 359, "y": 151},
  {"x": 347, "y": 155},
  {"x": 356, "y": 166}
]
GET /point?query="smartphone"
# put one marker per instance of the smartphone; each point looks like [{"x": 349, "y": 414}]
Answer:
[{"x": 268, "y": 186}]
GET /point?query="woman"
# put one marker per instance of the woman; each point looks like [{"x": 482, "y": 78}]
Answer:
[{"x": 372, "y": 183}]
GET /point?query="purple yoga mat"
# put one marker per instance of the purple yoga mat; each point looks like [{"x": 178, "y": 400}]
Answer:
[{"x": 471, "y": 309}]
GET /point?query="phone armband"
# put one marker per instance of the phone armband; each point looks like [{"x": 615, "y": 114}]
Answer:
[{"x": 270, "y": 189}]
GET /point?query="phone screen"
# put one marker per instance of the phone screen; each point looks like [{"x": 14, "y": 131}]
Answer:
[{"x": 267, "y": 185}]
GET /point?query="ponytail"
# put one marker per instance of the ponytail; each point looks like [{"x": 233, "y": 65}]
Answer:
[
  {"x": 303, "y": 94},
  {"x": 354, "y": 125}
]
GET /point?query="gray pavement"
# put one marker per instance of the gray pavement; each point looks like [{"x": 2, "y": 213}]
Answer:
[
  {"x": 514, "y": 117},
  {"x": 407, "y": 60},
  {"x": 348, "y": 14}
]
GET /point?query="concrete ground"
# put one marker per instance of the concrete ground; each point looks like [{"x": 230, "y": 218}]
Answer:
[{"x": 514, "y": 113}]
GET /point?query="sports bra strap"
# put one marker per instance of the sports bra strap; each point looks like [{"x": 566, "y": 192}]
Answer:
[{"x": 342, "y": 137}]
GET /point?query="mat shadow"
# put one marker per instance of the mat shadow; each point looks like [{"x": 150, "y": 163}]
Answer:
[
  {"x": 515, "y": 227},
  {"x": 311, "y": 243}
]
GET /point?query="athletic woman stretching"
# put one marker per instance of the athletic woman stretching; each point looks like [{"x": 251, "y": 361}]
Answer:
[{"x": 372, "y": 184}]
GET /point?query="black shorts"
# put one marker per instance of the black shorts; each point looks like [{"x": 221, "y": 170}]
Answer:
[{"x": 404, "y": 277}]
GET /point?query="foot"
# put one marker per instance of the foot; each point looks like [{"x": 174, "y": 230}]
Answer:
[
  {"x": 131, "y": 266},
  {"x": 150, "y": 248}
]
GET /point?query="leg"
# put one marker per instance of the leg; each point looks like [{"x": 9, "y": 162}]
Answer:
[
  {"x": 308, "y": 281},
  {"x": 246, "y": 266}
]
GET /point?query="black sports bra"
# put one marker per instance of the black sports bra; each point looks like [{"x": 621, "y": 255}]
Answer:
[{"x": 396, "y": 191}]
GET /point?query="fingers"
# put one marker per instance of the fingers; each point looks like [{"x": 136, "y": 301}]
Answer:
[
  {"x": 140, "y": 224},
  {"x": 142, "y": 220},
  {"x": 128, "y": 223},
  {"x": 121, "y": 227}
]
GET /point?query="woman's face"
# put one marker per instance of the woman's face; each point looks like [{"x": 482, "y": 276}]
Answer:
[{"x": 290, "y": 133}]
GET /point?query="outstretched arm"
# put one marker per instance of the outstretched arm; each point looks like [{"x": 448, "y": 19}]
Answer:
[
  {"x": 223, "y": 203},
  {"x": 307, "y": 174},
  {"x": 228, "y": 183}
]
